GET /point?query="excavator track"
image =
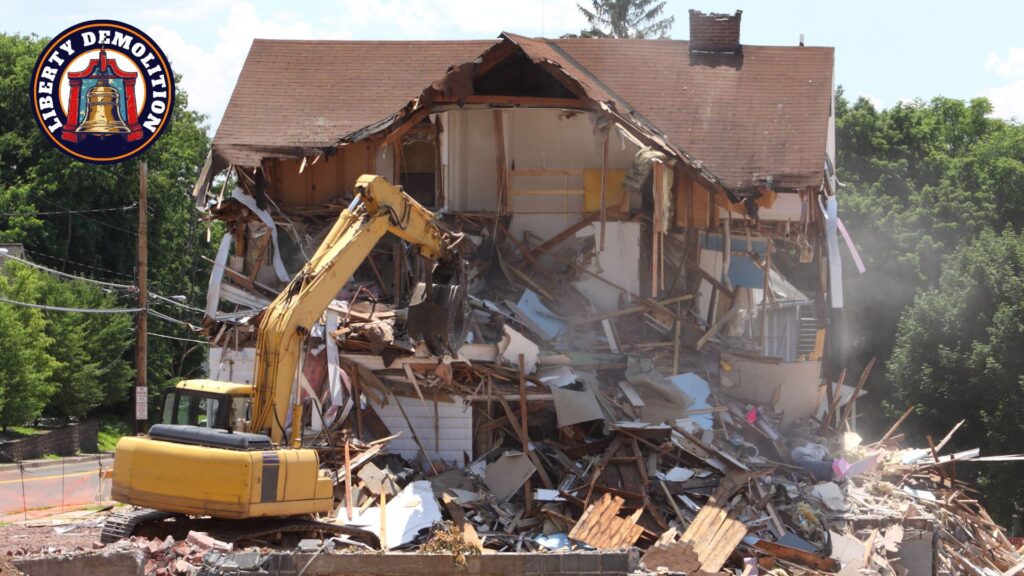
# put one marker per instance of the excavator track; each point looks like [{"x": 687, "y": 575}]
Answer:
[
  {"x": 123, "y": 524},
  {"x": 155, "y": 524}
]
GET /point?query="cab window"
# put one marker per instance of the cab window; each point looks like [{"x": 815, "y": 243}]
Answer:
[{"x": 191, "y": 409}]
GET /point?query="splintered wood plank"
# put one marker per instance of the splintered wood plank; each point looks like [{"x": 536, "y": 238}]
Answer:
[
  {"x": 459, "y": 519},
  {"x": 729, "y": 535},
  {"x": 715, "y": 532},
  {"x": 603, "y": 528},
  {"x": 798, "y": 556},
  {"x": 677, "y": 557}
]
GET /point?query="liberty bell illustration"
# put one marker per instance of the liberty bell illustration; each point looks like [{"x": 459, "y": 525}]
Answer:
[{"x": 103, "y": 116}]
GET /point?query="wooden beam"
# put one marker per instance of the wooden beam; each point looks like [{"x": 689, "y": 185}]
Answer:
[
  {"x": 524, "y": 101},
  {"x": 548, "y": 172},
  {"x": 853, "y": 398},
  {"x": 798, "y": 556},
  {"x": 523, "y": 413},
  {"x": 565, "y": 234},
  {"x": 501, "y": 163},
  {"x": 604, "y": 185},
  {"x": 549, "y": 192}
]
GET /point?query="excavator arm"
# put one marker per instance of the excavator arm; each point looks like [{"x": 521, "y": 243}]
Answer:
[{"x": 377, "y": 209}]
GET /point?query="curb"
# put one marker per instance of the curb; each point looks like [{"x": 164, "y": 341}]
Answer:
[{"x": 6, "y": 467}]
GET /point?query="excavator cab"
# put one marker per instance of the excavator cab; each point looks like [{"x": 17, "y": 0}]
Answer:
[{"x": 207, "y": 403}]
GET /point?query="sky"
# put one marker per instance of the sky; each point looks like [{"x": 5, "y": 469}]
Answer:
[{"x": 885, "y": 51}]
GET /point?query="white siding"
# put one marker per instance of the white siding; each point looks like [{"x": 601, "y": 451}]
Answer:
[{"x": 455, "y": 425}]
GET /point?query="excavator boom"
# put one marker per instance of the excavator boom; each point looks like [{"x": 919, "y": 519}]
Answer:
[
  {"x": 194, "y": 463},
  {"x": 378, "y": 208}
]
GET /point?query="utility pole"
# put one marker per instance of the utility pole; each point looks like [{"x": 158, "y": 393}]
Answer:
[{"x": 142, "y": 327}]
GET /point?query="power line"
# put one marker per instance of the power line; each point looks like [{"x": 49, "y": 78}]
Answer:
[
  {"x": 79, "y": 264},
  {"x": 163, "y": 316},
  {"x": 104, "y": 284},
  {"x": 177, "y": 338},
  {"x": 175, "y": 302},
  {"x": 61, "y": 212},
  {"x": 71, "y": 276},
  {"x": 76, "y": 310},
  {"x": 100, "y": 222}
]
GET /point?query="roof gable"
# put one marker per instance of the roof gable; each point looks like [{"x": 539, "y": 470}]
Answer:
[{"x": 758, "y": 118}]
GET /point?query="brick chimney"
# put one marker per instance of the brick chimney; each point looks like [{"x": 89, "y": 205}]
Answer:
[{"x": 715, "y": 33}]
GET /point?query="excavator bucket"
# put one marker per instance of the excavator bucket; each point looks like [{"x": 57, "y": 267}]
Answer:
[{"x": 438, "y": 316}]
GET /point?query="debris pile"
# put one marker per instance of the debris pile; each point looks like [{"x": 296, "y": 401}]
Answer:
[{"x": 580, "y": 414}]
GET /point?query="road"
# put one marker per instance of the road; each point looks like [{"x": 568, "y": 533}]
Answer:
[{"x": 69, "y": 483}]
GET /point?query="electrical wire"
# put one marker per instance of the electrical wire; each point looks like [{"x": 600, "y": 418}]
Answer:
[
  {"x": 177, "y": 338},
  {"x": 78, "y": 264},
  {"x": 76, "y": 310},
  {"x": 113, "y": 286},
  {"x": 59, "y": 212},
  {"x": 165, "y": 317},
  {"x": 100, "y": 222},
  {"x": 175, "y": 302},
  {"x": 70, "y": 276}
]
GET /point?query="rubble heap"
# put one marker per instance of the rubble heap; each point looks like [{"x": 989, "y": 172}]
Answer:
[{"x": 633, "y": 425}]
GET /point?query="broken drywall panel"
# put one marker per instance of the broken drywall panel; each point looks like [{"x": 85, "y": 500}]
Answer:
[
  {"x": 829, "y": 210},
  {"x": 917, "y": 553},
  {"x": 448, "y": 440},
  {"x": 264, "y": 216},
  {"x": 558, "y": 376},
  {"x": 550, "y": 325},
  {"x": 618, "y": 266},
  {"x": 513, "y": 344},
  {"x": 412, "y": 510},
  {"x": 848, "y": 550},
  {"x": 575, "y": 403},
  {"x": 236, "y": 295},
  {"x": 507, "y": 474},
  {"x": 791, "y": 387},
  {"x": 232, "y": 365},
  {"x": 677, "y": 474},
  {"x": 217, "y": 276},
  {"x": 699, "y": 390},
  {"x": 831, "y": 495},
  {"x": 337, "y": 380},
  {"x": 478, "y": 352}
]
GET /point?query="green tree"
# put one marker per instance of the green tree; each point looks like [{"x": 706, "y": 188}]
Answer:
[
  {"x": 922, "y": 178},
  {"x": 90, "y": 348},
  {"x": 43, "y": 194},
  {"x": 957, "y": 355},
  {"x": 626, "y": 19},
  {"x": 25, "y": 365}
]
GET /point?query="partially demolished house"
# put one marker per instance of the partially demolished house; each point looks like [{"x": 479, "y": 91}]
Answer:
[{"x": 633, "y": 345}]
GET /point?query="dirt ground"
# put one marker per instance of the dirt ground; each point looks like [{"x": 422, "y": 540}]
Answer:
[
  {"x": 23, "y": 540},
  {"x": 8, "y": 569}
]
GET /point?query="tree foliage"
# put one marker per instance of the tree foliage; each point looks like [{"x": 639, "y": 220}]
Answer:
[
  {"x": 45, "y": 203},
  {"x": 26, "y": 368},
  {"x": 957, "y": 355},
  {"x": 626, "y": 19},
  {"x": 934, "y": 192}
]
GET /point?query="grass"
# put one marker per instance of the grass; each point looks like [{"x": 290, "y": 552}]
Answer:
[
  {"x": 23, "y": 430},
  {"x": 51, "y": 456},
  {"x": 109, "y": 434}
]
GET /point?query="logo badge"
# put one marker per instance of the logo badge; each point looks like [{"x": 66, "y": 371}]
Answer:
[{"x": 102, "y": 91}]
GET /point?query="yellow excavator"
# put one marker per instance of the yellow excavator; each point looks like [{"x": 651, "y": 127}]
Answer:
[{"x": 234, "y": 451}]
